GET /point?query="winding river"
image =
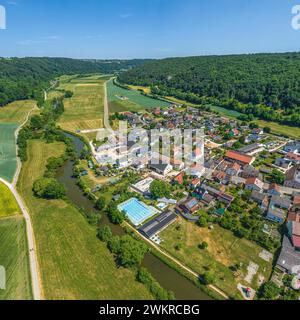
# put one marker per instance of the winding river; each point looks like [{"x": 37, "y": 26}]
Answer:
[{"x": 166, "y": 276}]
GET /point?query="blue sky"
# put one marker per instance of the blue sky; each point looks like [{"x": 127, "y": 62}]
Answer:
[{"x": 146, "y": 28}]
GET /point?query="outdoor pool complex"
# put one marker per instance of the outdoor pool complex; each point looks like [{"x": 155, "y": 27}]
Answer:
[{"x": 136, "y": 211}]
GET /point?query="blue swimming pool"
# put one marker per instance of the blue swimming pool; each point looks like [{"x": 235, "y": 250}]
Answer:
[{"x": 136, "y": 211}]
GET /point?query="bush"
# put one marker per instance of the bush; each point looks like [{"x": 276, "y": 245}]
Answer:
[
  {"x": 100, "y": 204},
  {"x": 203, "y": 245},
  {"x": 160, "y": 189},
  {"x": 48, "y": 188},
  {"x": 105, "y": 234},
  {"x": 209, "y": 278}
]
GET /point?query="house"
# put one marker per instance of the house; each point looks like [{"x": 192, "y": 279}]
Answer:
[
  {"x": 293, "y": 147},
  {"x": 254, "y": 184},
  {"x": 179, "y": 178},
  {"x": 220, "y": 176},
  {"x": 292, "y": 177},
  {"x": 194, "y": 183},
  {"x": 177, "y": 164},
  {"x": 275, "y": 215},
  {"x": 252, "y": 149},
  {"x": 280, "y": 202},
  {"x": 161, "y": 168},
  {"x": 295, "y": 158},
  {"x": 294, "y": 233},
  {"x": 190, "y": 206},
  {"x": 143, "y": 186},
  {"x": 274, "y": 190},
  {"x": 241, "y": 159},
  {"x": 233, "y": 169},
  {"x": 261, "y": 199},
  {"x": 258, "y": 131},
  {"x": 283, "y": 163},
  {"x": 289, "y": 258},
  {"x": 250, "y": 171},
  {"x": 158, "y": 224},
  {"x": 196, "y": 170}
]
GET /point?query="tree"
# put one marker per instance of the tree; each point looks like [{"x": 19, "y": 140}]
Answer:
[
  {"x": 131, "y": 252},
  {"x": 48, "y": 188},
  {"x": 203, "y": 245},
  {"x": 277, "y": 177},
  {"x": 105, "y": 234},
  {"x": 209, "y": 278},
  {"x": 267, "y": 130},
  {"x": 202, "y": 222},
  {"x": 269, "y": 291},
  {"x": 100, "y": 203},
  {"x": 160, "y": 189}
]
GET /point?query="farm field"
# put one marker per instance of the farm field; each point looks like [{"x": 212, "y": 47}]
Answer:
[
  {"x": 14, "y": 257},
  {"x": 17, "y": 111},
  {"x": 134, "y": 100},
  {"x": 224, "y": 251},
  {"x": 84, "y": 111},
  {"x": 8, "y": 204},
  {"x": 74, "y": 263},
  {"x": 291, "y": 132},
  {"x": 8, "y": 161}
]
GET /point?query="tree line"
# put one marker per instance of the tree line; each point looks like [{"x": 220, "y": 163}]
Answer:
[
  {"x": 26, "y": 78},
  {"x": 263, "y": 85}
]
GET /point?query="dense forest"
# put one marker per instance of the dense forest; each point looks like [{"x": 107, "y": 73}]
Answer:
[
  {"x": 25, "y": 78},
  {"x": 264, "y": 85}
]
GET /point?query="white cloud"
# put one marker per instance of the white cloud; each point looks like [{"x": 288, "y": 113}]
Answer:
[{"x": 125, "y": 15}]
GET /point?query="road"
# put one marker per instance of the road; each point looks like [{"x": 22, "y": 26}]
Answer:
[{"x": 34, "y": 266}]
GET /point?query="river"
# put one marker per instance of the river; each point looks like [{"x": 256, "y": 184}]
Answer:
[{"x": 166, "y": 276}]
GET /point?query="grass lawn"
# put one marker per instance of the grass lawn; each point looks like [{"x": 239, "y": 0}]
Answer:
[
  {"x": 84, "y": 110},
  {"x": 280, "y": 129},
  {"x": 14, "y": 257},
  {"x": 8, "y": 161},
  {"x": 16, "y": 112},
  {"x": 224, "y": 250},
  {"x": 135, "y": 100},
  {"x": 74, "y": 263},
  {"x": 8, "y": 204}
]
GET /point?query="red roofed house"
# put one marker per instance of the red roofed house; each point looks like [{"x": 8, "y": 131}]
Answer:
[
  {"x": 274, "y": 189},
  {"x": 294, "y": 232},
  {"x": 179, "y": 178},
  {"x": 241, "y": 159},
  {"x": 254, "y": 184}
]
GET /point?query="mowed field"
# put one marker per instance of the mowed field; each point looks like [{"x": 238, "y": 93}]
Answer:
[
  {"x": 74, "y": 263},
  {"x": 8, "y": 203},
  {"x": 8, "y": 160},
  {"x": 14, "y": 258},
  {"x": 134, "y": 100},
  {"x": 224, "y": 251},
  {"x": 17, "y": 111},
  {"x": 84, "y": 111}
]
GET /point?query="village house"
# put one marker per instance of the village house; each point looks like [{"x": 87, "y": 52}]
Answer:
[
  {"x": 274, "y": 190},
  {"x": 241, "y": 159},
  {"x": 261, "y": 199},
  {"x": 275, "y": 215},
  {"x": 190, "y": 206},
  {"x": 292, "y": 177},
  {"x": 280, "y": 202},
  {"x": 254, "y": 184},
  {"x": 161, "y": 168}
]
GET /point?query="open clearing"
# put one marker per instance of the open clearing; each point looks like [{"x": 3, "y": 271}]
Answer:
[
  {"x": 16, "y": 112},
  {"x": 8, "y": 160},
  {"x": 74, "y": 263},
  {"x": 14, "y": 257},
  {"x": 8, "y": 204},
  {"x": 224, "y": 251},
  {"x": 121, "y": 99},
  {"x": 84, "y": 111}
]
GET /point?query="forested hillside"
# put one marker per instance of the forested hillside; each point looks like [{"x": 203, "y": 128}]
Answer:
[
  {"x": 23, "y": 78},
  {"x": 264, "y": 85}
]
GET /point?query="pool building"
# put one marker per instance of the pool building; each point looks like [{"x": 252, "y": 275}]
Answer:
[{"x": 136, "y": 211}]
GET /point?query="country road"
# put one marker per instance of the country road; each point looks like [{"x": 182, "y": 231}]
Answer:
[{"x": 34, "y": 266}]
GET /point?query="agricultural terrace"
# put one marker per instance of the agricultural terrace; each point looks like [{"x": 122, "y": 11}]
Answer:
[
  {"x": 74, "y": 263},
  {"x": 14, "y": 258},
  {"x": 8, "y": 203},
  {"x": 121, "y": 100},
  {"x": 84, "y": 111},
  {"x": 224, "y": 251}
]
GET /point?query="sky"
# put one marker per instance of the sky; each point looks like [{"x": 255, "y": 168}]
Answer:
[{"x": 126, "y": 29}]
